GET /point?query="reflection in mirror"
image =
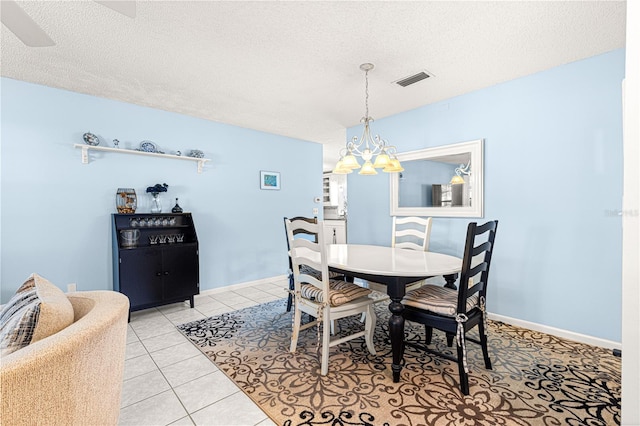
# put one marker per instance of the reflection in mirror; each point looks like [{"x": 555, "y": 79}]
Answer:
[
  {"x": 428, "y": 183},
  {"x": 444, "y": 181}
]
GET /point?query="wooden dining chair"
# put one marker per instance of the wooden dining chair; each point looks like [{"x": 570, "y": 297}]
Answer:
[
  {"x": 457, "y": 311},
  {"x": 321, "y": 297},
  {"x": 412, "y": 233},
  {"x": 303, "y": 233}
]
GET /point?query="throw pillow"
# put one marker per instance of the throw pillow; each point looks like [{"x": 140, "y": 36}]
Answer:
[{"x": 37, "y": 310}]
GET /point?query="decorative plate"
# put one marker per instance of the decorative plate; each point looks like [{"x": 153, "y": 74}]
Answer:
[
  {"x": 148, "y": 146},
  {"x": 91, "y": 139}
]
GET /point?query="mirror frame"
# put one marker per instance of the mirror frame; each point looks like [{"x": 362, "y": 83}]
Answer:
[{"x": 476, "y": 149}]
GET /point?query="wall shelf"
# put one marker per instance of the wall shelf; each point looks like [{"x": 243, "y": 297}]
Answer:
[{"x": 85, "y": 154}]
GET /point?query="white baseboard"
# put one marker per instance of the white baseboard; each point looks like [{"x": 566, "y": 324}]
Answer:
[
  {"x": 233, "y": 287},
  {"x": 582, "y": 338}
]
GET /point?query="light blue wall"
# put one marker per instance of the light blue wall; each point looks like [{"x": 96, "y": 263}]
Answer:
[
  {"x": 56, "y": 211},
  {"x": 553, "y": 175}
]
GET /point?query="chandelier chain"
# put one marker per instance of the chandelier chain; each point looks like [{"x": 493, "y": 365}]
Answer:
[{"x": 366, "y": 94}]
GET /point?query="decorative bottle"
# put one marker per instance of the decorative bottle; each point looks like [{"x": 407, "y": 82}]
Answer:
[{"x": 176, "y": 208}]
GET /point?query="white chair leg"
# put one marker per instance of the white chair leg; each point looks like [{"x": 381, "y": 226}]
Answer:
[
  {"x": 369, "y": 328},
  {"x": 296, "y": 329},
  {"x": 326, "y": 335}
]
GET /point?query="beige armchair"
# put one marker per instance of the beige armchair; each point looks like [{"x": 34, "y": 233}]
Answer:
[{"x": 73, "y": 377}]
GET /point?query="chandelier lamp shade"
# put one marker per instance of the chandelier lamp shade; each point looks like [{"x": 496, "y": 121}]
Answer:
[
  {"x": 462, "y": 169},
  {"x": 367, "y": 146}
]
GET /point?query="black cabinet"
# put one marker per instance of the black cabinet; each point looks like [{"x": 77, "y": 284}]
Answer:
[{"x": 155, "y": 258}]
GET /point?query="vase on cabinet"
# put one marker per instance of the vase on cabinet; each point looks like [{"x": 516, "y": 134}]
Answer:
[
  {"x": 156, "y": 205},
  {"x": 126, "y": 200}
]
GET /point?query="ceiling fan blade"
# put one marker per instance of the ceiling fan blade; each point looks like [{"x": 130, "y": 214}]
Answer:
[
  {"x": 127, "y": 8},
  {"x": 25, "y": 28}
]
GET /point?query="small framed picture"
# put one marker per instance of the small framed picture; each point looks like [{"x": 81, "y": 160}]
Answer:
[{"x": 269, "y": 180}]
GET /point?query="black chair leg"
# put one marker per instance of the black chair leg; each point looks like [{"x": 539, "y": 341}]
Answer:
[
  {"x": 483, "y": 344},
  {"x": 289, "y": 302},
  {"x": 450, "y": 339},
  {"x": 464, "y": 377},
  {"x": 428, "y": 334},
  {"x": 290, "y": 296}
]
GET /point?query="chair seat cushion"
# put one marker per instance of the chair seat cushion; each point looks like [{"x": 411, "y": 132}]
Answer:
[
  {"x": 306, "y": 269},
  {"x": 340, "y": 292},
  {"x": 440, "y": 300}
]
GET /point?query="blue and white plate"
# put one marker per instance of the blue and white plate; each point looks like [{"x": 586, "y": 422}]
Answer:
[
  {"x": 148, "y": 146},
  {"x": 91, "y": 139}
]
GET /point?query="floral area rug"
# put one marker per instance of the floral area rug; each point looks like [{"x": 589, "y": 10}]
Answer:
[{"x": 537, "y": 379}]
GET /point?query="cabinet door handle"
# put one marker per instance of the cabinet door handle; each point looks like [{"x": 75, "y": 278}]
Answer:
[
  {"x": 158, "y": 274},
  {"x": 166, "y": 272}
]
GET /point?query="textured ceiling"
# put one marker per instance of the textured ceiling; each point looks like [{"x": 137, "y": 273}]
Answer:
[{"x": 292, "y": 68}]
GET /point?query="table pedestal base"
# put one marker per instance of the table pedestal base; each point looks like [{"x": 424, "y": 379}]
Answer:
[
  {"x": 396, "y": 288},
  {"x": 396, "y": 335}
]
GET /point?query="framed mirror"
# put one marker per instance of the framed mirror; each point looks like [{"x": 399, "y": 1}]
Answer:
[{"x": 444, "y": 181}]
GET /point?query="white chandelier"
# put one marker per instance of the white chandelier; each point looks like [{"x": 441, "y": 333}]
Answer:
[{"x": 367, "y": 146}]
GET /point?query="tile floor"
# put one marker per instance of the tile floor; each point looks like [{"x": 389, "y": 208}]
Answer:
[{"x": 168, "y": 381}]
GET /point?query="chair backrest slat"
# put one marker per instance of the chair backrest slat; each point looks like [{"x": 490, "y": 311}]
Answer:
[
  {"x": 482, "y": 247},
  {"x": 476, "y": 287},
  {"x": 489, "y": 226},
  {"x": 309, "y": 279},
  {"x": 480, "y": 267},
  {"x": 476, "y": 260},
  {"x": 300, "y": 231},
  {"x": 417, "y": 228}
]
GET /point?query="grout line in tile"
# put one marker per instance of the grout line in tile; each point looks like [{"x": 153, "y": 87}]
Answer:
[{"x": 232, "y": 308}]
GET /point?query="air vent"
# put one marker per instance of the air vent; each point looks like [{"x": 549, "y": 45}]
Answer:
[{"x": 407, "y": 81}]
